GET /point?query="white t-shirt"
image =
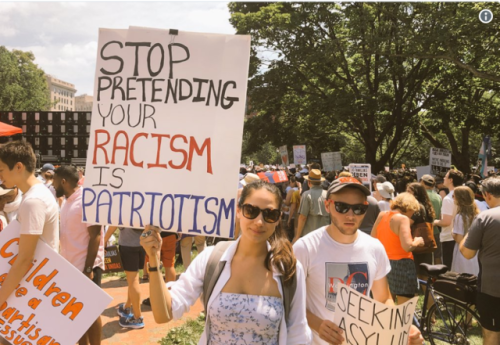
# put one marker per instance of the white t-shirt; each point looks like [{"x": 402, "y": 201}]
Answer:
[
  {"x": 460, "y": 264},
  {"x": 481, "y": 205},
  {"x": 327, "y": 262},
  {"x": 38, "y": 214},
  {"x": 384, "y": 205},
  {"x": 450, "y": 209}
]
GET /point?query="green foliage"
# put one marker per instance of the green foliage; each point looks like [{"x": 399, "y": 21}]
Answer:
[
  {"x": 187, "y": 334},
  {"x": 24, "y": 87}
]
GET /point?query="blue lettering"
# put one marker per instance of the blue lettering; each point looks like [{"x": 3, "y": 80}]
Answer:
[
  {"x": 195, "y": 213},
  {"x": 182, "y": 197},
  {"x": 226, "y": 210},
  {"x": 153, "y": 196},
  {"x": 136, "y": 209},
  {"x": 99, "y": 204},
  {"x": 168, "y": 196},
  {"x": 212, "y": 213},
  {"x": 87, "y": 204},
  {"x": 121, "y": 194}
]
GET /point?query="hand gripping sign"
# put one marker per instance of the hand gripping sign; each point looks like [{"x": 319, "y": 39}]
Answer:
[
  {"x": 55, "y": 303},
  {"x": 366, "y": 321},
  {"x": 166, "y": 130}
]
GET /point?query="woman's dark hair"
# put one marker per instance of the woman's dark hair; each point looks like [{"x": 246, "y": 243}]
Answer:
[
  {"x": 421, "y": 195},
  {"x": 281, "y": 253}
]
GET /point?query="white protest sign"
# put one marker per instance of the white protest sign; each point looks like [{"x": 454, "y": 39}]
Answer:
[
  {"x": 299, "y": 154},
  {"x": 331, "y": 161},
  {"x": 439, "y": 160},
  {"x": 166, "y": 130},
  {"x": 366, "y": 321},
  {"x": 284, "y": 155},
  {"x": 421, "y": 171},
  {"x": 363, "y": 172},
  {"x": 54, "y": 303}
]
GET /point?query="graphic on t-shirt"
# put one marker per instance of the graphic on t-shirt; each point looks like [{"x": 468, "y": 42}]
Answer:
[{"x": 354, "y": 275}]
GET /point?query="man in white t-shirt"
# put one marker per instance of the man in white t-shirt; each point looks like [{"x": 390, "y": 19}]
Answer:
[
  {"x": 340, "y": 253},
  {"x": 452, "y": 180},
  {"x": 38, "y": 213}
]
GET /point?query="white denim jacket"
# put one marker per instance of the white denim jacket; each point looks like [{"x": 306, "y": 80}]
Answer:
[{"x": 189, "y": 287}]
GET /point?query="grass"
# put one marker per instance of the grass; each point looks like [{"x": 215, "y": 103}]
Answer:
[{"x": 187, "y": 334}]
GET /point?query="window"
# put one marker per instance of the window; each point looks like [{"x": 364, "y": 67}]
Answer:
[
  {"x": 75, "y": 129},
  {"x": 75, "y": 153},
  {"x": 37, "y": 129},
  {"x": 87, "y": 140},
  {"x": 49, "y": 116},
  {"x": 71, "y": 102},
  {"x": 88, "y": 129},
  {"x": 63, "y": 116},
  {"x": 24, "y": 128},
  {"x": 49, "y": 128},
  {"x": 49, "y": 152},
  {"x": 24, "y": 116},
  {"x": 63, "y": 129},
  {"x": 37, "y": 116},
  {"x": 49, "y": 141},
  {"x": 88, "y": 118},
  {"x": 63, "y": 153},
  {"x": 11, "y": 116},
  {"x": 63, "y": 141},
  {"x": 75, "y": 141},
  {"x": 37, "y": 141}
]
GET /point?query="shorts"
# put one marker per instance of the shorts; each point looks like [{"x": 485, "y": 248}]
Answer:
[
  {"x": 132, "y": 258},
  {"x": 489, "y": 313},
  {"x": 97, "y": 276},
  {"x": 167, "y": 252},
  {"x": 403, "y": 277}
]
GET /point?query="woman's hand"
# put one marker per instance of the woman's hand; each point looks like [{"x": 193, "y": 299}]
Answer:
[
  {"x": 151, "y": 241},
  {"x": 418, "y": 242}
]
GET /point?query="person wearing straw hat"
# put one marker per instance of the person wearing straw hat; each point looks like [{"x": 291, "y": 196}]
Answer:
[
  {"x": 386, "y": 191},
  {"x": 312, "y": 211}
]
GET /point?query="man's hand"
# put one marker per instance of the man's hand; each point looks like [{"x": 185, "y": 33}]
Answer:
[
  {"x": 330, "y": 332},
  {"x": 415, "y": 337}
]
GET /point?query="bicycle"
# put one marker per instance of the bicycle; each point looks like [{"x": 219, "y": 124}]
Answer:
[{"x": 449, "y": 320}]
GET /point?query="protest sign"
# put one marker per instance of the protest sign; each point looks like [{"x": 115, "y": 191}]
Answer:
[
  {"x": 331, "y": 161},
  {"x": 366, "y": 321},
  {"x": 273, "y": 176},
  {"x": 363, "y": 172},
  {"x": 166, "y": 130},
  {"x": 112, "y": 260},
  {"x": 421, "y": 171},
  {"x": 440, "y": 161},
  {"x": 54, "y": 303},
  {"x": 299, "y": 154},
  {"x": 284, "y": 155}
]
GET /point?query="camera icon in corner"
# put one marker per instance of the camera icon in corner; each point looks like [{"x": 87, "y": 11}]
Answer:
[{"x": 485, "y": 16}]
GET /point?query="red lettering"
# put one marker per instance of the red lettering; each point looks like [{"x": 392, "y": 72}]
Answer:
[
  {"x": 157, "y": 164},
  {"x": 184, "y": 153},
  {"x": 193, "y": 146},
  {"x": 332, "y": 283},
  {"x": 116, "y": 147},
  {"x": 98, "y": 145},
  {"x": 132, "y": 145}
]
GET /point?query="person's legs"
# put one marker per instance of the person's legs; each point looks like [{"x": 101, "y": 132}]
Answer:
[
  {"x": 94, "y": 332},
  {"x": 168, "y": 257},
  {"x": 186, "y": 245},
  {"x": 490, "y": 337},
  {"x": 134, "y": 293},
  {"x": 447, "y": 248},
  {"x": 487, "y": 308},
  {"x": 200, "y": 243}
]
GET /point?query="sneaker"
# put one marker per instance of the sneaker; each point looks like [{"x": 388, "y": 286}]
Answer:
[
  {"x": 147, "y": 301},
  {"x": 130, "y": 322},
  {"x": 124, "y": 312}
]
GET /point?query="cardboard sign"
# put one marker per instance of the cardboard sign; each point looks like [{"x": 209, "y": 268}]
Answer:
[
  {"x": 112, "y": 260},
  {"x": 366, "y": 321},
  {"x": 167, "y": 124},
  {"x": 299, "y": 154},
  {"x": 284, "y": 155},
  {"x": 440, "y": 161},
  {"x": 421, "y": 171},
  {"x": 55, "y": 303},
  {"x": 273, "y": 176},
  {"x": 331, "y": 161},
  {"x": 363, "y": 172}
]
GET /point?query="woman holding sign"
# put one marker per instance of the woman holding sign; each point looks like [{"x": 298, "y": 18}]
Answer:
[{"x": 254, "y": 290}]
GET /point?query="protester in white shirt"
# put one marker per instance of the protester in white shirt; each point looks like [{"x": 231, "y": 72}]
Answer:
[{"x": 250, "y": 271}]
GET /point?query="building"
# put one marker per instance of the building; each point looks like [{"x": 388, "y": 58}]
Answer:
[
  {"x": 62, "y": 94},
  {"x": 84, "y": 102},
  {"x": 56, "y": 137}
]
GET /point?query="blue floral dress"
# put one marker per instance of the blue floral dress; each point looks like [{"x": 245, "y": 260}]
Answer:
[{"x": 237, "y": 319}]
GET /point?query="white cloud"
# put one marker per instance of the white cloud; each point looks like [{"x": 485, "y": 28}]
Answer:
[{"x": 63, "y": 35}]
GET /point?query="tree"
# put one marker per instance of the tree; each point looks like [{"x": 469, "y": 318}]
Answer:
[{"x": 24, "y": 87}]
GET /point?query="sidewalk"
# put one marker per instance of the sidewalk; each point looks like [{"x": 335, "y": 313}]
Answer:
[{"x": 112, "y": 333}]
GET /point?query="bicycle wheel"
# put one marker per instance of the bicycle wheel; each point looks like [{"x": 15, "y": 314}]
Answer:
[{"x": 451, "y": 323}]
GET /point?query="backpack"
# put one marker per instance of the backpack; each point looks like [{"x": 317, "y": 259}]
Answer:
[
  {"x": 215, "y": 267},
  {"x": 458, "y": 286}
]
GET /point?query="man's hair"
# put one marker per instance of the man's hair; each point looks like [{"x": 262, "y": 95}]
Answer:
[
  {"x": 345, "y": 174},
  {"x": 456, "y": 177},
  {"x": 314, "y": 166},
  {"x": 18, "y": 152},
  {"x": 491, "y": 185},
  {"x": 69, "y": 173}
]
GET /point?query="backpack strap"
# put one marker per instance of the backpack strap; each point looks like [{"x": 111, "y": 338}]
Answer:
[
  {"x": 288, "y": 294},
  {"x": 213, "y": 270}
]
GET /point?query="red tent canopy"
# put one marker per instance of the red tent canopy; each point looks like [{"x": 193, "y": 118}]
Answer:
[{"x": 8, "y": 130}]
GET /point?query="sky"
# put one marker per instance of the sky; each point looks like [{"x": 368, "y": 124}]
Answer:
[{"x": 63, "y": 35}]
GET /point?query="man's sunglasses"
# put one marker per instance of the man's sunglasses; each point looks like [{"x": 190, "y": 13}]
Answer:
[
  {"x": 342, "y": 207},
  {"x": 252, "y": 212}
]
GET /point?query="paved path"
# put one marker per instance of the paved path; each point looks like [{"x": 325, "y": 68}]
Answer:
[{"x": 112, "y": 333}]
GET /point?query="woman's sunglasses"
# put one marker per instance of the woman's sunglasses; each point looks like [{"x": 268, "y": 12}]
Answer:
[
  {"x": 342, "y": 207},
  {"x": 252, "y": 212}
]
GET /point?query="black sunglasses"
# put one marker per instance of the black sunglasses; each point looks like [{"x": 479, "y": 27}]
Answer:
[
  {"x": 358, "y": 209},
  {"x": 252, "y": 212}
]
